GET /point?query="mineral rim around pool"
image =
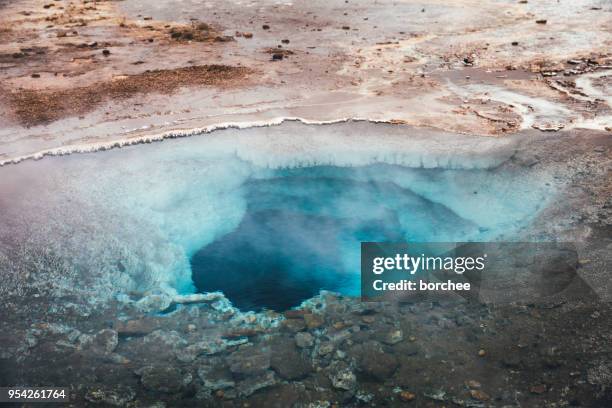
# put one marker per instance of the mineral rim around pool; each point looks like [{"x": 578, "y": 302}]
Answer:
[{"x": 221, "y": 267}]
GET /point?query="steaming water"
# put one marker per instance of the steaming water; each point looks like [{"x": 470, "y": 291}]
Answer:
[{"x": 270, "y": 215}]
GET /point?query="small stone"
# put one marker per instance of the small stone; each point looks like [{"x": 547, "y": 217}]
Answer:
[
  {"x": 118, "y": 396},
  {"x": 541, "y": 21},
  {"x": 247, "y": 35},
  {"x": 164, "y": 379},
  {"x": 407, "y": 396},
  {"x": 325, "y": 349},
  {"x": 265, "y": 27},
  {"x": 106, "y": 53},
  {"x": 285, "y": 41},
  {"x": 480, "y": 395},
  {"x": 482, "y": 353},
  {"x": 394, "y": 337},
  {"x": 304, "y": 340},
  {"x": 154, "y": 303},
  {"x": 369, "y": 319},
  {"x": 313, "y": 321},
  {"x": 35, "y": 75},
  {"x": 346, "y": 27},
  {"x": 538, "y": 389},
  {"x": 104, "y": 341},
  {"x": 249, "y": 361},
  {"x": 277, "y": 57},
  {"x": 344, "y": 380}
]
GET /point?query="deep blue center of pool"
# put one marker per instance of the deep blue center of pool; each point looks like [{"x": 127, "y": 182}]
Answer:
[{"x": 302, "y": 231}]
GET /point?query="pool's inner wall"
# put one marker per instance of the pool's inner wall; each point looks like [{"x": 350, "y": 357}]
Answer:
[{"x": 132, "y": 219}]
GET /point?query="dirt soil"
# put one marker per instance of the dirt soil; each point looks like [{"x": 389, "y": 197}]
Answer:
[{"x": 467, "y": 66}]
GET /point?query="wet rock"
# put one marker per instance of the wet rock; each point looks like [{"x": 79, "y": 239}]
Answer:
[
  {"x": 600, "y": 374},
  {"x": 294, "y": 325},
  {"x": 287, "y": 362},
  {"x": 393, "y": 336},
  {"x": 118, "y": 396},
  {"x": 538, "y": 389},
  {"x": 406, "y": 396},
  {"x": 373, "y": 362},
  {"x": 304, "y": 340},
  {"x": 154, "y": 303},
  {"x": 479, "y": 395},
  {"x": 252, "y": 384},
  {"x": 105, "y": 341},
  {"x": 436, "y": 394},
  {"x": 249, "y": 361},
  {"x": 163, "y": 342},
  {"x": 215, "y": 378},
  {"x": 198, "y": 298},
  {"x": 343, "y": 379},
  {"x": 313, "y": 321},
  {"x": 136, "y": 327},
  {"x": 325, "y": 348},
  {"x": 163, "y": 379}
]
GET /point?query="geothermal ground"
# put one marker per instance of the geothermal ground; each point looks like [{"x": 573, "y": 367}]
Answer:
[{"x": 492, "y": 116}]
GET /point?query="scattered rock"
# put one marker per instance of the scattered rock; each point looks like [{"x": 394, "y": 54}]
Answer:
[
  {"x": 541, "y": 21},
  {"x": 249, "y": 361},
  {"x": 374, "y": 362},
  {"x": 252, "y": 384},
  {"x": 313, "y": 321},
  {"x": 162, "y": 379},
  {"x": 154, "y": 303},
  {"x": 406, "y": 396},
  {"x": 325, "y": 348},
  {"x": 538, "y": 389},
  {"x": 344, "y": 380},
  {"x": 394, "y": 336},
  {"x": 118, "y": 396},
  {"x": 304, "y": 340},
  {"x": 265, "y": 27},
  {"x": 105, "y": 341},
  {"x": 479, "y": 395},
  {"x": 106, "y": 53},
  {"x": 287, "y": 362}
]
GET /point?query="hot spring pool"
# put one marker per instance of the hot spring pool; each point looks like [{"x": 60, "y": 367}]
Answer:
[{"x": 269, "y": 216}]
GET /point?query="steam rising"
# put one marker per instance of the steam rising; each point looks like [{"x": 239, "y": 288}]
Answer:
[{"x": 132, "y": 219}]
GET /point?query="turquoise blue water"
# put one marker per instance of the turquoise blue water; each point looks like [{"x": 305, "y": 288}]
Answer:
[{"x": 302, "y": 229}]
